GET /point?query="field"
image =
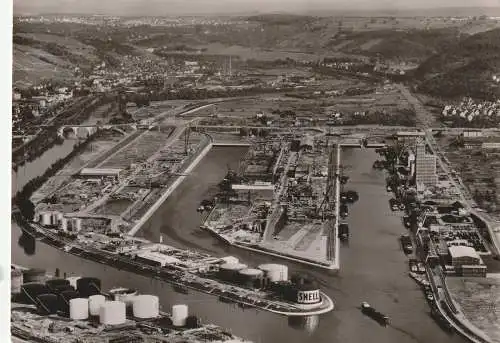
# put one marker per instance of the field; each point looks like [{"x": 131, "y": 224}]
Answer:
[
  {"x": 139, "y": 150},
  {"x": 30, "y": 66},
  {"x": 480, "y": 301},
  {"x": 479, "y": 170}
]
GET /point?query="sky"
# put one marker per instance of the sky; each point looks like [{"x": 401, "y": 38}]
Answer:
[{"x": 175, "y": 7}]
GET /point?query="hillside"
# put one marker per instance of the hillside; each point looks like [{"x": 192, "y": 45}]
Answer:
[{"x": 464, "y": 69}]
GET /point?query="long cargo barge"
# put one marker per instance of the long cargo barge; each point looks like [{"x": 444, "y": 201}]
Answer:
[{"x": 184, "y": 279}]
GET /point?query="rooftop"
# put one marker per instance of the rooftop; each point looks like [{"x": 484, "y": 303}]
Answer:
[
  {"x": 463, "y": 251},
  {"x": 100, "y": 171}
]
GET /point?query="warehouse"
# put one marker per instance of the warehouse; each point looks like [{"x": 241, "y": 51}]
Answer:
[
  {"x": 100, "y": 173},
  {"x": 466, "y": 261}
]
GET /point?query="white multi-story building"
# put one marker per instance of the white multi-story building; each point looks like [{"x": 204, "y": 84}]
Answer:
[{"x": 425, "y": 167}]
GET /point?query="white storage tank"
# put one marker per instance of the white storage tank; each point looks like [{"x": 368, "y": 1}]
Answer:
[
  {"x": 275, "y": 272},
  {"x": 146, "y": 306},
  {"x": 64, "y": 224},
  {"x": 59, "y": 217},
  {"x": 79, "y": 309},
  {"x": 179, "y": 315},
  {"x": 112, "y": 313},
  {"x": 45, "y": 218},
  {"x": 95, "y": 303},
  {"x": 230, "y": 259},
  {"x": 72, "y": 280},
  {"x": 16, "y": 281}
]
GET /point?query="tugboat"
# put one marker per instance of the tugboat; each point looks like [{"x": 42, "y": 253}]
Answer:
[{"x": 369, "y": 311}]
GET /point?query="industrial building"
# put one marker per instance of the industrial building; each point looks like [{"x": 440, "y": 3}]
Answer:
[
  {"x": 466, "y": 261},
  {"x": 100, "y": 173}
]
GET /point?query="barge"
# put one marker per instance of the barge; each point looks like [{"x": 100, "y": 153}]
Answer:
[{"x": 369, "y": 311}]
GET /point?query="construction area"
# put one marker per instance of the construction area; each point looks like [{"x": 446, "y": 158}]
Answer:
[{"x": 282, "y": 198}]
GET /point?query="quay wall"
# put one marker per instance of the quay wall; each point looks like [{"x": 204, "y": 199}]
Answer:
[{"x": 190, "y": 166}]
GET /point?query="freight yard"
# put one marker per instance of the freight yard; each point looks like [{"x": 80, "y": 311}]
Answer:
[{"x": 116, "y": 188}]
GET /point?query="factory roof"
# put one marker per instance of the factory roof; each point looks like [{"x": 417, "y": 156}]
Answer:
[
  {"x": 253, "y": 187},
  {"x": 307, "y": 141},
  {"x": 158, "y": 257},
  {"x": 463, "y": 251},
  {"x": 410, "y": 133},
  {"x": 100, "y": 171}
]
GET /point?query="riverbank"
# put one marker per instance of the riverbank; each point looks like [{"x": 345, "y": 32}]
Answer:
[
  {"x": 373, "y": 267},
  {"x": 171, "y": 273},
  {"x": 31, "y": 325},
  {"x": 321, "y": 247}
]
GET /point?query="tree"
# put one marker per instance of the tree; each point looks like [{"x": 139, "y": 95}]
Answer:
[{"x": 27, "y": 208}]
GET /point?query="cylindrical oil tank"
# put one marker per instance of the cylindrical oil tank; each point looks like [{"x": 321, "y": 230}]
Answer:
[
  {"x": 112, "y": 313},
  {"x": 45, "y": 218},
  {"x": 230, "y": 259},
  {"x": 229, "y": 271},
  {"x": 95, "y": 303},
  {"x": 275, "y": 272},
  {"x": 59, "y": 217},
  {"x": 79, "y": 309},
  {"x": 73, "y": 280},
  {"x": 88, "y": 286},
  {"x": 64, "y": 299},
  {"x": 63, "y": 288},
  {"x": 53, "y": 284},
  {"x": 179, "y": 315},
  {"x": 251, "y": 278},
  {"x": 146, "y": 306},
  {"x": 34, "y": 275},
  {"x": 64, "y": 224},
  {"x": 30, "y": 291},
  {"x": 54, "y": 218},
  {"x": 125, "y": 295},
  {"x": 47, "y": 304},
  {"x": 16, "y": 280},
  {"x": 193, "y": 322},
  {"x": 77, "y": 224},
  {"x": 306, "y": 292}
]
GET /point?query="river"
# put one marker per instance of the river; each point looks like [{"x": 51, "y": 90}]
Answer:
[
  {"x": 37, "y": 167},
  {"x": 373, "y": 267}
]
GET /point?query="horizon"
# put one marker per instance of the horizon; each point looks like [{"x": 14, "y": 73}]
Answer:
[{"x": 159, "y": 8}]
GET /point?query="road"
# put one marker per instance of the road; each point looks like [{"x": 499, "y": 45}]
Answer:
[{"x": 425, "y": 120}]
